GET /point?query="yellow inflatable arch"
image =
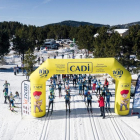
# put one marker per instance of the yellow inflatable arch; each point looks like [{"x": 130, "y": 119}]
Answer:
[{"x": 80, "y": 66}]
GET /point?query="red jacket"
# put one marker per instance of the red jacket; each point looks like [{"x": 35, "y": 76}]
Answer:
[
  {"x": 101, "y": 102},
  {"x": 106, "y": 83}
]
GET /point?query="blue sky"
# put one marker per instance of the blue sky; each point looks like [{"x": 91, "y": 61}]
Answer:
[{"x": 42, "y": 12}]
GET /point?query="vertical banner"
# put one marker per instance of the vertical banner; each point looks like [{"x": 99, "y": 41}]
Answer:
[
  {"x": 26, "y": 106},
  {"x": 137, "y": 94}
]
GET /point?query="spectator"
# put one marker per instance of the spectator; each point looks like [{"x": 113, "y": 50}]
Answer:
[{"x": 38, "y": 60}]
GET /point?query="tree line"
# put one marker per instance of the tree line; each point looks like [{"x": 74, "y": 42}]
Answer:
[{"x": 106, "y": 44}]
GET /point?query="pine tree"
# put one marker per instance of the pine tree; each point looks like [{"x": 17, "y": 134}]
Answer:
[{"x": 29, "y": 62}]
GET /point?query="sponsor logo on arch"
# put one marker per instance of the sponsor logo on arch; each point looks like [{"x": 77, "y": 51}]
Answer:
[
  {"x": 43, "y": 72},
  {"x": 118, "y": 73},
  {"x": 80, "y": 67}
]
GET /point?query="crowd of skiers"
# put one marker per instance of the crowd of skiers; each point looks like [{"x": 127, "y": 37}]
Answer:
[
  {"x": 85, "y": 83},
  {"x": 8, "y": 96}
]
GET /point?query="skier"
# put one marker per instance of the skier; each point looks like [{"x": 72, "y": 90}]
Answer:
[
  {"x": 108, "y": 94},
  {"x": 51, "y": 89},
  {"x": 11, "y": 98},
  {"x": 67, "y": 100},
  {"x": 101, "y": 105},
  {"x": 67, "y": 87},
  {"x": 62, "y": 56},
  {"x": 94, "y": 84},
  {"x": 22, "y": 68},
  {"x": 14, "y": 70},
  {"x": 103, "y": 91},
  {"x": 74, "y": 80},
  {"x": 106, "y": 83},
  {"x": 85, "y": 93},
  {"x": 84, "y": 76},
  {"x": 5, "y": 96},
  {"x": 42, "y": 59},
  {"x": 58, "y": 77},
  {"x": 84, "y": 84},
  {"x": 80, "y": 77},
  {"x": 98, "y": 86},
  {"x": 17, "y": 69},
  {"x": 6, "y": 86},
  {"x": 80, "y": 86},
  {"x": 51, "y": 98},
  {"x": 59, "y": 88},
  {"x": 89, "y": 101},
  {"x": 54, "y": 82},
  {"x": 89, "y": 81},
  {"x": 64, "y": 79},
  {"x": 67, "y": 78},
  {"x": 38, "y": 60},
  {"x": 54, "y": 56}
]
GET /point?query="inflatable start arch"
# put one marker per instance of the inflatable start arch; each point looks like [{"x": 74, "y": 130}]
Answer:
[{"x": 77, "y": 66}]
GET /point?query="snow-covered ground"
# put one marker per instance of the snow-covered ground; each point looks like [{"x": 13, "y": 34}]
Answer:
[{"x": 80, "y": 125}]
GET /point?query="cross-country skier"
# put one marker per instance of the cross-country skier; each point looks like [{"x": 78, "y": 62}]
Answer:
[
  {"x": 101, "y": 105},
  {"x": 6, "y": 96},
  {"x": 74, "y": 80},
  {"x": 54, "y": 82},
  {"x": 89, "y": 81},
  {"x": 89, "y": 101},
  {"x": 85, "y": 93},
  {"x": 51, "y": 89},
  {"x": 59, "y": 88},
  {"x": 67, "y": 87},
  {"x": 11, "y": 98},
  {"x": 84, "y": 84},
  {"x": 94, "y": 84},
  {"x": 17, "y": 68},
  {"x": 98, "y": 87},
  {"x": 106, "y": 83},
  {"x": 67, "y": 100},
  {"x": 51, "y": 99},
  {"x": 80, "y": 86},
  {"x": 103, "y": 91},
  {"x": 108, "y": 94},
  {"x": 6, "y": 85}
]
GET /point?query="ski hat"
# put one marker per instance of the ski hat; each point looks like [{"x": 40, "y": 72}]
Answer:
[
  {"x": 38, "y": 93},
  {"x": 124, "y": 92},
  {"x": 88, "y": 92}
]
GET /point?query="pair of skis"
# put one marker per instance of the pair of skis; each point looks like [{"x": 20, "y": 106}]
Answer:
[
  {"x": 108, "y": 110},
  {"x": 89, "y": 110},
  {"x": 49, "y": 113}
]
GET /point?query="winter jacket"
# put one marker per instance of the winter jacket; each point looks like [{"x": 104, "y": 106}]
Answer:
[
  {"x": 106, "y": 83},
  {"x": 101, "y": 102}
]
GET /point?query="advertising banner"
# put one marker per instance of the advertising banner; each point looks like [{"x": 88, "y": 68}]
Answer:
[
  {"x": 137, "y": 94},
  {"x": 26, "y": 107}
]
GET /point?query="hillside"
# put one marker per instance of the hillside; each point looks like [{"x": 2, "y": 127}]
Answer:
[
  {"x": 125, "y": 26},
  {"x": 77, "y": 23}
]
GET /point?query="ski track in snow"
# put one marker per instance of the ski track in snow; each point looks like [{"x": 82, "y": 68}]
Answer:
[{"x": 81, "y": 125}]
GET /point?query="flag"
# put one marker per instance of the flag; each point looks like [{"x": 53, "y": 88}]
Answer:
[{"x": 137, "y": 94}]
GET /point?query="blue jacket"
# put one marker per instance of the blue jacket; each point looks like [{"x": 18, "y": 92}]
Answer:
[
  {"x": 80, "y": 83},
  {"x": 89, "y": 77},
  {"x": 59, "y": 85},
  {"x": 94, "y": 81},
  {"x": 98, "y": 84},
  {"x": 51, "y": 97},
  {"x": 108, "y": 94},
  {"x": 67, "y": 97},
  {"x": 89, "y": 97}
]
